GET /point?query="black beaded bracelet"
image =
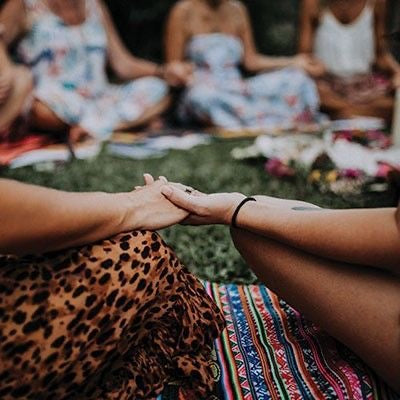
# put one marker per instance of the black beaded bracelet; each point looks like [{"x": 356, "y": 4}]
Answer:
[{"x": 235, "y": 214}]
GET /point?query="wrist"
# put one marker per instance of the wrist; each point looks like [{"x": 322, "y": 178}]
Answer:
[
  {"x": 126, "y": 206},
  {"x": 236, "y": 199},
  {"x": 239, "y": 210},
  {"x": 159, "y": 71}
]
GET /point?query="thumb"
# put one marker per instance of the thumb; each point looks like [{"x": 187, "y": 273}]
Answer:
[{"x": 181, "y": 199}]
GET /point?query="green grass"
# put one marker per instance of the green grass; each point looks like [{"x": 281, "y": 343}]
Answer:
[{"x": 207, "y": 251}]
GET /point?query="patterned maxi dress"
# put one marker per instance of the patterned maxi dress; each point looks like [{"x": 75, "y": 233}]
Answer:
[
  {"x": 220, "y": 96},
  {"x": 69, "y": 67}
]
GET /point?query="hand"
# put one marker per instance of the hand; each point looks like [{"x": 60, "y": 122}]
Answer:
[
  {"x": 148, "y": 209},
  {"x": 178, "y": 73},
  {"x": 204, "y": 209},
  {"x": 311, "y": 65}
]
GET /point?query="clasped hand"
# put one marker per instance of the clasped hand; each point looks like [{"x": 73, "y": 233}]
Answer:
[{"x": 162, "y": 204}]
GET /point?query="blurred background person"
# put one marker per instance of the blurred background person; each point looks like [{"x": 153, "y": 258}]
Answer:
[
  {"x": 16, "y": 86},
  {"x": 68, "y": 45},
  {"x": 216, "y": 37},
  {"x": 358, "y": 73}
]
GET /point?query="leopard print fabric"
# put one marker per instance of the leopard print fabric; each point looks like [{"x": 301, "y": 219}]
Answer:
[{"x": 118, "y": 319}]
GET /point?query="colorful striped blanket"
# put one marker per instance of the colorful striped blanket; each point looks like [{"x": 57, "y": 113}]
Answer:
[{"x": 270, "y": 351}]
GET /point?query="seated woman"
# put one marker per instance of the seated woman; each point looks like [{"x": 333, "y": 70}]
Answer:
[
  {"x": 349, "y": 260},
  {"x": 102, "y": 308},
  {"x": 215, "y": 36},
  {"x": 67, "y": 46},
  {"x": 358, "y": 73}
]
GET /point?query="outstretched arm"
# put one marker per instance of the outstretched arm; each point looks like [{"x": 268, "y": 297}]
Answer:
[
  {"x": 36, "y": 219},
  {"x": 365, "y": 236},
  {"x": 253, "y": 61}
]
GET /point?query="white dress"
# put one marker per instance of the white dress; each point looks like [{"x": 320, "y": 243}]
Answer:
[{"x": 346, "y": 49}]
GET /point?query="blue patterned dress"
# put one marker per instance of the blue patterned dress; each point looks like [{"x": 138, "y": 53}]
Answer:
[
  {"x": 69, "y": 67},
  {"x": 221, "y": 97}
]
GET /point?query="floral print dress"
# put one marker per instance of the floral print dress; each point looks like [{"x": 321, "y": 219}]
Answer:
[
  {"x": 220, "y": 96},
  {"x": 69, "y": 67}
]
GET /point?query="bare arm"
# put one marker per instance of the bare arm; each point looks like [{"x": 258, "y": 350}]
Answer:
[
  {"x": 176, "y": 34},
  {"x": 253, "y": 61},
  {"x": 364, "y": 236},
  {"x": 12, "y": 25},
  {"x": 308, "y": 18},
  {"x": 384, "y": 59},
  {"x": 36, "y": 219},
  {"x": 123, "y": 63},
  {"x": 12, "y": 20}
]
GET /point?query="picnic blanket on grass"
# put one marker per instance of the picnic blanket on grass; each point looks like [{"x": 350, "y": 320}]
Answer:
[{"x": 270, "y": 351}]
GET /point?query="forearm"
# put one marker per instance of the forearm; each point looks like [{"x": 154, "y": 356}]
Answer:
[
  {"x": 387, "y": 63},
  {"x": 259, "y": 62},
  {"x": 35, "y": 219},
  {"x": 367, "y": 237},
  {"x": 133, "y": 68}
]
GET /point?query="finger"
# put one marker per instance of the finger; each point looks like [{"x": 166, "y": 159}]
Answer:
[
  {"x": 163, "y": 179},
  {"x": 148, "y": 179},
  {"x": 181, "y": 199},
  {"x": 138, "y": 187}
]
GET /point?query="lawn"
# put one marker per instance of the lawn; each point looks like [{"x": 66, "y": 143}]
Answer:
[{"x": 207, "y": 251}]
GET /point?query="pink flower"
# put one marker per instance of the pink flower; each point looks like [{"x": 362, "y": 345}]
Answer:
[
  {"x": 351, "y": 173},
  {"x": 276, "y": 167}
]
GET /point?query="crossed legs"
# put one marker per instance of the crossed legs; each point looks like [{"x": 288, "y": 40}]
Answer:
[
  {"x": 338, "y": 107},
  {"x": 359, "y": 306}
]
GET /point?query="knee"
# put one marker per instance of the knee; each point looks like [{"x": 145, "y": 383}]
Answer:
[
  {"x": 240, "y": 239},
  {"x": 155, "y": 89},
  {"x": 141, "y": 248},
  {"x": 44, "y": 118}
]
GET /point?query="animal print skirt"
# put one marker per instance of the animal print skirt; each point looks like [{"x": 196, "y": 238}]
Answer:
[{"x": 119, "y": 319}]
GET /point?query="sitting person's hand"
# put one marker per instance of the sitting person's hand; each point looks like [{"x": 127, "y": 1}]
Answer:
[
  {"x": 178, "y": 73},
  {"x": 155, "y": 211},
  {"x": 204, "y": 209},
  {"x": 310, "y": 64}
]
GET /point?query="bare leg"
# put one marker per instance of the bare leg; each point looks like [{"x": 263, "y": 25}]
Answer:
[
  {"x": 148, "y": 116},
  {"x": 339, "y": 107},
  {"x": 382, "y": 107},
  {"x": 44, "y": 119},
  {"x": 20, "y": 92},
  {"x": 359, "y": 307}
]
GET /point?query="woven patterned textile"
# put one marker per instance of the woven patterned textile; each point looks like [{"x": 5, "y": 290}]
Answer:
[{"x": 270, "y": 351}]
